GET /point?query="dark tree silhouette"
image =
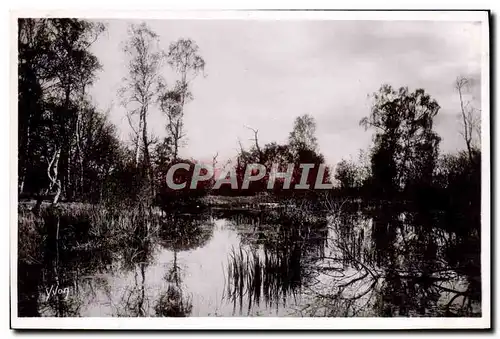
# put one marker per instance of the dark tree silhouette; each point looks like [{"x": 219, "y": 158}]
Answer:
[
  {"x": 405, "y": 145},
  {"x": 55, "y": 67}
]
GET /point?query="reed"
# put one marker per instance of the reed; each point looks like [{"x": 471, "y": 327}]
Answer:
[
  {"x": 266, "y": 276},
  {"x": 82, "y": 226}
]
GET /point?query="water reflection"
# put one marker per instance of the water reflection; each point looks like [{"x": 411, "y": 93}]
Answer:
[
  {"x": 391, "y": 261},
  {"x": 184, "y": 232},
  {"x": 383, "y": 260},
  {"x": 275, "y": 263}
]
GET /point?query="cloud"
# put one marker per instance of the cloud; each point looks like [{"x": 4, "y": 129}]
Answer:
[{"x": 265, "y": 73}]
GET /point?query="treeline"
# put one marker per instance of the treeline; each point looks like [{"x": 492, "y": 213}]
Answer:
[
  {"x": 69, "y": 150},
  {"x": 66, "y": 146},
  {"x": 301, "y": 148},
  {"x": 404, "y": 162}
]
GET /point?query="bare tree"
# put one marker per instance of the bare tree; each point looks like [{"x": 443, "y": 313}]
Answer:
[
  {"x": 256, "y": 141},
  {"x": 183, "y": 57},
  {"x": 469, "y": 114}
]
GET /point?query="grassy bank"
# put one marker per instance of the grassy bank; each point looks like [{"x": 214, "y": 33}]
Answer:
[
  {"x": 80, "y": 227},
  {"x": 236, "y": 201}
]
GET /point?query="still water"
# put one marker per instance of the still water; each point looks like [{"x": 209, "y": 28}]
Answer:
[{"x": 370, "y": 262}]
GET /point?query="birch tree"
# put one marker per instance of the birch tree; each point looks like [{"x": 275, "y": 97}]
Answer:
[
  {"x": 140, "y": 89},
  {"x": 184, "y": 58}
]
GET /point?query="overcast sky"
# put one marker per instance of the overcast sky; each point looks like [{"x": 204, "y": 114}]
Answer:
[{"x": 263, "y": 74}]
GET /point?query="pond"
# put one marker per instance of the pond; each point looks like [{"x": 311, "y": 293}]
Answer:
[{"x": 370, "y": 261}]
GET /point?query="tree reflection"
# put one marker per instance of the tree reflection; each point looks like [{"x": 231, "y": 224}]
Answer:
[
  {"x": 273, "y": 262},
  {"x": 395, "y": 260},
  {"x": 173, "y": 303},
  {"x": 184, "y": 232},
  {"x": 64, "y": 266},
  {"x": 134, "y": 301},
  {"x": 180, "y": 233}
]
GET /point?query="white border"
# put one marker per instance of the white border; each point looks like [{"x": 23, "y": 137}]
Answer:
[
  {"x": 261, "y": 15},
  {"x": 261, "y": 323}
]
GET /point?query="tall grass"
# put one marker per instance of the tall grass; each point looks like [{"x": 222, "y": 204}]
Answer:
[
  {"x": 261, "y": 276},
  {"x": 81, "y": 226},
  {"x": 31, "y": 237}
]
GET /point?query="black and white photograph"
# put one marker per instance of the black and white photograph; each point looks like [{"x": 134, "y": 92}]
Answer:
[{"x": 251, "y": 169}]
